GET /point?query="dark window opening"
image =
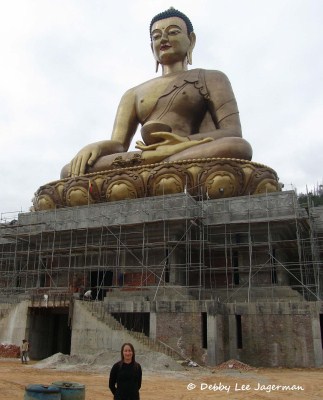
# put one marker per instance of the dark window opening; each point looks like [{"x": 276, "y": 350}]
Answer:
[
  {"x": 100, "y": 281},
  {"x": 239, "y": 331},
  {"x": 137, "y": 322},
  {"x": 235, "y": 262},
  {"x": 204, "y": 330},
  {"x": 18, "y": 282}
]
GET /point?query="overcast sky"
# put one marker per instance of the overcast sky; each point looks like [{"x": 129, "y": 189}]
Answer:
[{"x": 66, "y": 63}]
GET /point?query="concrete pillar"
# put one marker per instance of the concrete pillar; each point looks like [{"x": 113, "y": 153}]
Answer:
[
  {"x": 215, "y": 352},
  {"x": 233, "y": 353},
  {"x": 153, "y": 325},
  {"x": 317, "y": 342}
]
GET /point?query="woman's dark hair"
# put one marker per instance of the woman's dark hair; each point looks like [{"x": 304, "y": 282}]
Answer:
[
  {"x": 172, "y": 12},
  {"x": 132, "y": 349}
]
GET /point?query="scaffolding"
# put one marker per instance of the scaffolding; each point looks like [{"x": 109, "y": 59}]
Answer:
[{"x": 233, "y": 249}]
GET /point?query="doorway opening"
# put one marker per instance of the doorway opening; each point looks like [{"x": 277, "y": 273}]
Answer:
[{"x": 49, "y": 332}]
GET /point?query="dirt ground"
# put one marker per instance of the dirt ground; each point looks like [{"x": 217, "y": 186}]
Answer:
[{"x": 190, "y": 384}]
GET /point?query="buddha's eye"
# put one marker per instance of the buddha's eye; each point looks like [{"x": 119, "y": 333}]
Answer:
[
  {"x": 174, "y": 32},
  {"x": 156, "y": 36}
]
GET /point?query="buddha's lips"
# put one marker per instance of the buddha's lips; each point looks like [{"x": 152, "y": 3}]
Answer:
[{"x": 165, "y": 47}]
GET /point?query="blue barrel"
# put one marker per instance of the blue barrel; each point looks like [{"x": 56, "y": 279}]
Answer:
[
  {"x": 42, "y": 392},
  {"x": 71, "y": 390}
]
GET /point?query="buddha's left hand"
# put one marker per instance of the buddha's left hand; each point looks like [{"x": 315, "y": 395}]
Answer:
[{"x": 169, "y": 144}]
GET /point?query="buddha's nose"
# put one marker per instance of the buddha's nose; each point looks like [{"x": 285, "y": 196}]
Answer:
[{"x": 164, "y": 37}]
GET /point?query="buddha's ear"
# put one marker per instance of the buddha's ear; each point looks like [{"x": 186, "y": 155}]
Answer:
[
  {"x": 157, "y": 63},
  {"x": 192, "y": 38}
]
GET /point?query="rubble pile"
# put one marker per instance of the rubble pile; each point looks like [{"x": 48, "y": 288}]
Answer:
[
  {"x": 9, "y": 351},
  {"x": 103, "y": 361},
  {"x": 234, "y": 364}
]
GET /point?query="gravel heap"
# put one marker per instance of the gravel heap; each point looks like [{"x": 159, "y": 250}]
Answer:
[
  {"x": 234, "y": 364},
  {"x": 102, "y": 362}
]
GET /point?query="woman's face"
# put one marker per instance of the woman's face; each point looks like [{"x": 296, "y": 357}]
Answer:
[
  {"x": 169, "y": 40},
  {"x": 127, "y": 353}
]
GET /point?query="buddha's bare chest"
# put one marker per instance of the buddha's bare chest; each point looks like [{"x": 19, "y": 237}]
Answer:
[{"x": 149, "y": 94}]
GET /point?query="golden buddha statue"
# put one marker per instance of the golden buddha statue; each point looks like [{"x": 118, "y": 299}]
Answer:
[{"x": 186, "y": 115}]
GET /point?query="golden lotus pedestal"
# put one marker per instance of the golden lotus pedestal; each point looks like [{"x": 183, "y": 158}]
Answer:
[{"x": 209, "y": 178}]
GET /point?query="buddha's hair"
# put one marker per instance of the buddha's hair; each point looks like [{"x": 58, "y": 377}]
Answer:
[{"x": 172, "y": 12}]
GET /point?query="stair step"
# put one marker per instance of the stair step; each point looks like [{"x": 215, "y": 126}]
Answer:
[{"x": 98, "y": 311}]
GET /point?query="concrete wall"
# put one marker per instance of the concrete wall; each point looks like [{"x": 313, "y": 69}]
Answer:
[
  {"x": 272, "y": 333},
  {"x": 277, "y": 340},
  {"x": 13, "y": 324},
  {"x": 276, "y": 205},
  {"x": 276, "y": 334},
  {"x": 182, "y": 332},
  {"x": 91, "y": 336},
  {"x": 126, "y": 212}
]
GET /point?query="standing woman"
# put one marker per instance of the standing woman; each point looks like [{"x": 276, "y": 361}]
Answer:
[{"x": 125, "y": 376}]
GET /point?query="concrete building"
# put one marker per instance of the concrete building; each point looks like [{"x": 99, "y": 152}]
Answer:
[{"x": 207, "y": 280}]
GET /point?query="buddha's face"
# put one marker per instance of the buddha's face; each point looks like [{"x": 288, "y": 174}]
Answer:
[{"x": 170, "y": 40}]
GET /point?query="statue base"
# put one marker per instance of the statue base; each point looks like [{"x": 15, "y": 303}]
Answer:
[{"x": 207, "y": 178}]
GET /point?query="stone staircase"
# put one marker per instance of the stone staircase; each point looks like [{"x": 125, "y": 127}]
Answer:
[{"x": 98, "y": 310}]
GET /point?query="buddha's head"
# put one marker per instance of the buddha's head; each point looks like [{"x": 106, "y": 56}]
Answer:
[{"x": 172, "y": 37}]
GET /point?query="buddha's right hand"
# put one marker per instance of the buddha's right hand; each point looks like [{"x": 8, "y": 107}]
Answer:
[{"x": 83, "y": 159}]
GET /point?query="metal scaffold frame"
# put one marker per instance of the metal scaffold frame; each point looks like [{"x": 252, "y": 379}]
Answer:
[{"x": 208, "y": 248}]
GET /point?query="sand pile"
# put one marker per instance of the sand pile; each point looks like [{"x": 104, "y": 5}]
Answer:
[{"x": 103, "y": 361}]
